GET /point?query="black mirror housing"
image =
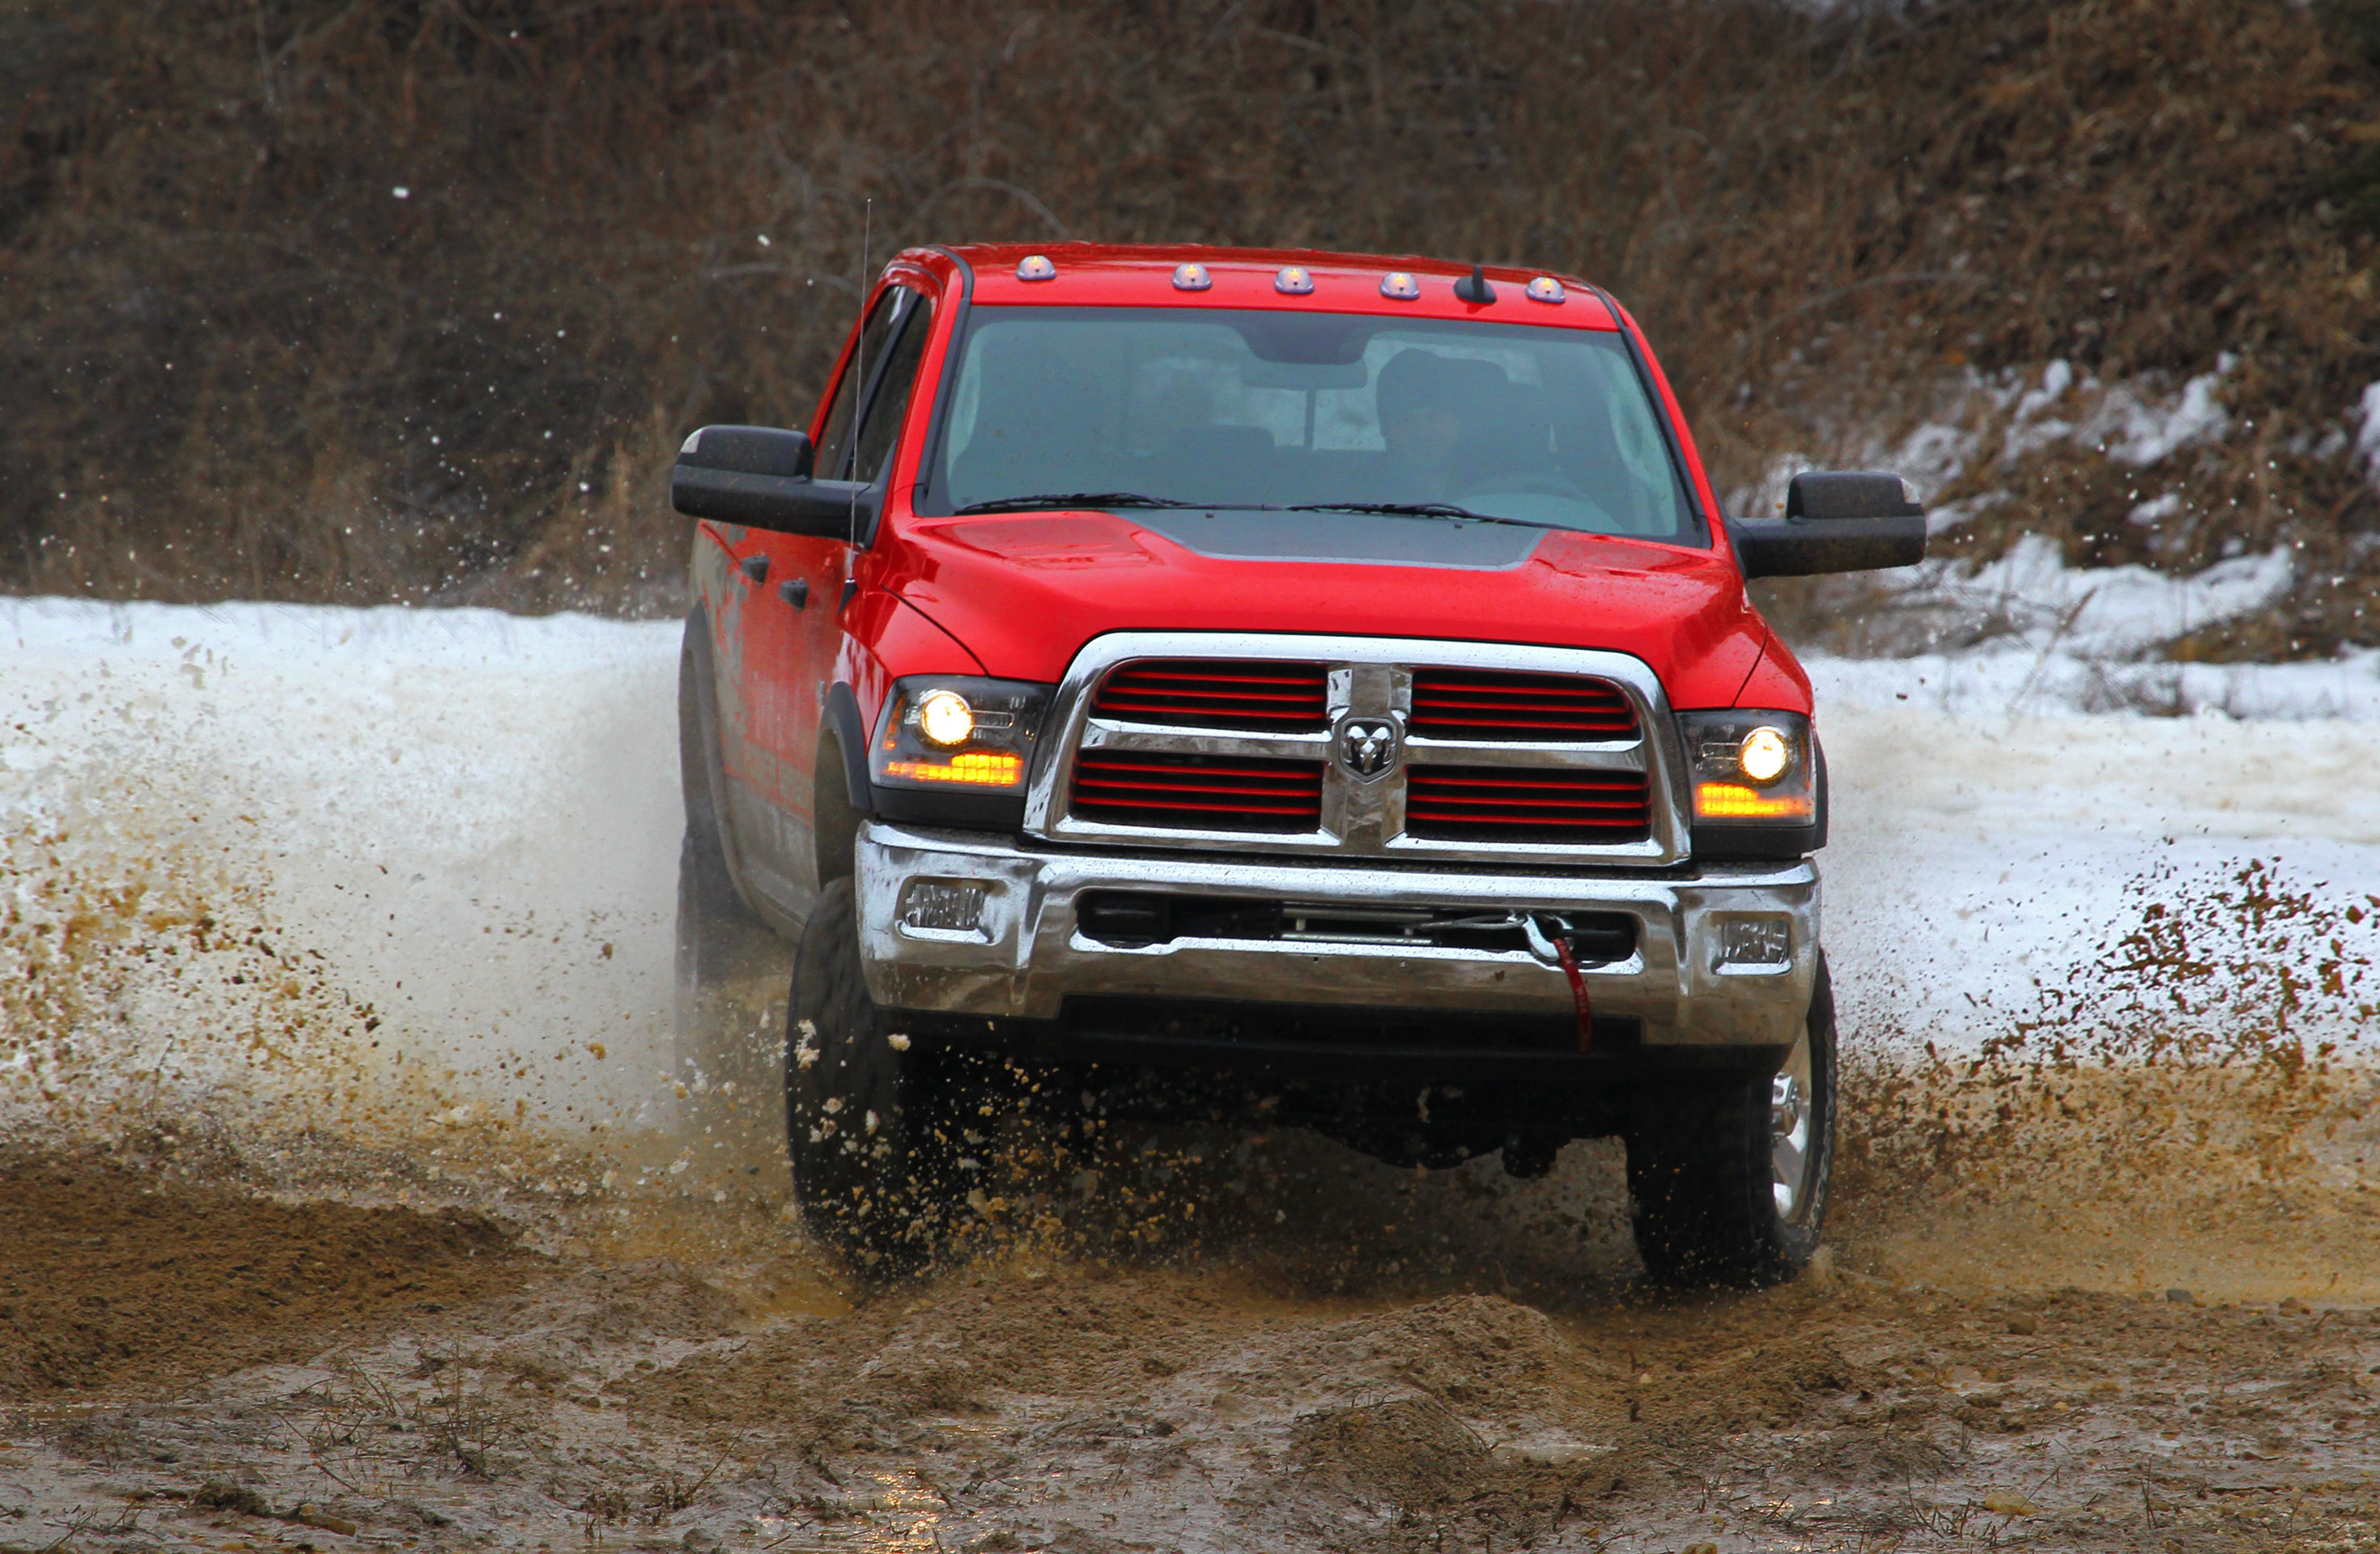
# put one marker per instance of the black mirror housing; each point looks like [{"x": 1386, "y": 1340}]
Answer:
[
  {"x": 759, "y": 477},
  {"x": 1835, "y": 522}
]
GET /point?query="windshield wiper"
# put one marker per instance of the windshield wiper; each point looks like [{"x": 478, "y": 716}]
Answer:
[
  {"x": 1417, "y": 510},
  {"x": 1075, "y": 499}
]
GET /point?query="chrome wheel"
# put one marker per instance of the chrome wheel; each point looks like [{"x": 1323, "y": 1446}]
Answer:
[{"x": 1791, "y": 1113}]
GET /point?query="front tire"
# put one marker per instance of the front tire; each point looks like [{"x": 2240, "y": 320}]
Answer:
[
  {"x": 871, "y": 1122},
  {"x": 1730, "y": 1179}
]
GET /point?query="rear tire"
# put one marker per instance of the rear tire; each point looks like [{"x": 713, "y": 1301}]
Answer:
[
  {"x": 871, "y": 1122},
  {"x": 728, "y": 963},
  {"x": 1730, "y": 1179}
]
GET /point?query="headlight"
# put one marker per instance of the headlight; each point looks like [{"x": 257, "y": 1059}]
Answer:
[
  {"x": 1765, "y": 755},
  {"x": 945, "y": 719},
  {"x": 957, "y": 732},
  {"x": 1751, "y": 768}
]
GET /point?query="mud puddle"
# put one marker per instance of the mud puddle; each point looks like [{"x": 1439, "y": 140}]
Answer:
[{"x": 1223, "y": 1342}]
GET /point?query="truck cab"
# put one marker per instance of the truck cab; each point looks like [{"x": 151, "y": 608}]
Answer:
[{"x": 1192, "y": 681}]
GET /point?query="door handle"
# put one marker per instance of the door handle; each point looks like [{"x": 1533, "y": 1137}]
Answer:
[
  {"x": 795, "y": 592},
  {"x": 754, "y": 567}
]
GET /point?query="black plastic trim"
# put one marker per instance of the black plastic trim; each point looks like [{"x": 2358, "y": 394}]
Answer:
[
  {"x": 780, "y": 504},
  {"x": 1817, "y": 547},
  {"x": 842, "y": 721},
  {"x": 960, "y": 811}
]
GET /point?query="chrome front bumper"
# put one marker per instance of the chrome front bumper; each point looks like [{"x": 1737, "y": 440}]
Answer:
[{"x": 1026, "y": 953}]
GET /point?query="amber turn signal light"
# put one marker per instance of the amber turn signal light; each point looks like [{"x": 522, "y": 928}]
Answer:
[
  {"x": 1733, "y": 801},
  {"x": 982, "y": 768}
]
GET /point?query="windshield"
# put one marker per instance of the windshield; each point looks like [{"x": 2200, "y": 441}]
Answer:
[{"x": 1212, "y": 408}]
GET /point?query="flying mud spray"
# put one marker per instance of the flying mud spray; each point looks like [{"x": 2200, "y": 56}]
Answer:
[{"x": 359, "y": 1184}]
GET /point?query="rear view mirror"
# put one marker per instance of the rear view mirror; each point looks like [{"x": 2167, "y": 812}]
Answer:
[
  {"x": 759, "y": 477},
  {"x": 1835, "y": 523}
]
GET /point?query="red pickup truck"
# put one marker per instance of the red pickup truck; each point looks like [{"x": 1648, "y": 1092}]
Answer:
[{"x": 1175, "y": 681}]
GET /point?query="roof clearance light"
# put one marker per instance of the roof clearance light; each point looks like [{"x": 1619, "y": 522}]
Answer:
[
  {"x": 1192, "y": 278},
  {"x": 1545, "y": 288},
  {"x": 1036, "y": 267},
  {"x": 1400, "y": 286},
  {"x": 1294, "y": 280}
]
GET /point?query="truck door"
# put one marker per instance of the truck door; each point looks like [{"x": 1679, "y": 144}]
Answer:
[{"x": 791, "y": 610}]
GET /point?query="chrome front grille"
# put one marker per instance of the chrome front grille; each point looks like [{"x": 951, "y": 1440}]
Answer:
[
  {"x": 1527, "y": 804},
  {"x": 1497, "y": 706},
  {"x": 1216, "y": 792},
  {"x": 1374, "y": 746},
  {"x": 1268, "y": 695}
]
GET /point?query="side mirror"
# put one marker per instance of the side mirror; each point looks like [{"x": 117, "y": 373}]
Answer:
[
  {"x": 1835, "y": 523},
  {"x": 759, "y": 477}
]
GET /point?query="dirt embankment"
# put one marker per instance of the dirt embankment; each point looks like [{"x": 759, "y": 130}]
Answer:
[{"x": 738, "y": 1392}]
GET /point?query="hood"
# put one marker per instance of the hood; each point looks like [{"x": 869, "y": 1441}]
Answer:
[{"x": 1025, "y": 591}]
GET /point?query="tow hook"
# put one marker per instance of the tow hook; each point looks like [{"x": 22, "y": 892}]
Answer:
[{"x": 1555, "y": 947}]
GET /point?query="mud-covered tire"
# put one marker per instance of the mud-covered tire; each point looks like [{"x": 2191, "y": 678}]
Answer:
[
  {"x": 1703, "y": 1165},
  {"x": 871, "y": 1122}
]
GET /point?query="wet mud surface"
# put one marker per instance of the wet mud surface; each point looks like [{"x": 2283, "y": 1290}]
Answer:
[
  {"x": 108, "y": 1281},
  {"x": 1213, "y": 1341}
]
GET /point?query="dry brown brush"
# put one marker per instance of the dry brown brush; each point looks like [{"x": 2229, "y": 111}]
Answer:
[{"x": 234, "y": 359}]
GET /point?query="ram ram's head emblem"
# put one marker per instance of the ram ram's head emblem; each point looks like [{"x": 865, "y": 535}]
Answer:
[{"x": 1367, "y": 746}]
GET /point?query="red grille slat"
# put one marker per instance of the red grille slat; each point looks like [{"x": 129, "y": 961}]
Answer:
[
  {"x": 1212, "y": 792},
  {"x": 1496, "y": 704},
  {"x": 1523, "y": 803},
  {"x": 1275, "y": 697}
]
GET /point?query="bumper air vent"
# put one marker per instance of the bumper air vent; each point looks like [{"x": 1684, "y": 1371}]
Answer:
[
  {"x": 1499, "y": 705},
  {"x": 1203, "y": 793},
  {"x": 1527, "y": 804},
  {"x": 1274, "y": 698}
]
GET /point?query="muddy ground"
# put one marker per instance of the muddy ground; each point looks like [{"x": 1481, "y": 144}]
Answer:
[{"x": 1199, "y": 1342}]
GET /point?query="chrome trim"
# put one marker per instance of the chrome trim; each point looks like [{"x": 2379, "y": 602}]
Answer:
[
  {"x": 1030, "y": 955},
  {"x": 1370, "y": 677}
]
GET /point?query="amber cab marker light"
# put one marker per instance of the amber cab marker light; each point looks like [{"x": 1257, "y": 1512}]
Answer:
[
  {"x": 1399, "y": 285},
  {"x": 1294, "y": 280},
  {"x": 1545, "y": 288},
  {"x": 1192, "y": 278},
  {"x": 1036, "y": 267},
  {"x": 1733, "y": 801},
  {"x": 977, "y": 769}
]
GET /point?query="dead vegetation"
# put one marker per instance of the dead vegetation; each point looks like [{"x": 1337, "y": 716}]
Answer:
[{"x": 405, "y": 301}]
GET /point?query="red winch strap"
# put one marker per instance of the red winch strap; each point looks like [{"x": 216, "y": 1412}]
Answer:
[{"x": 1577, "y": 994}]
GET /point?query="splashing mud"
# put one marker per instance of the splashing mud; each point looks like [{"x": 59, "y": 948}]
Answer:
[
  {"x": 2192, "y": 1102},
  {"x": 356, "y": 1190}
]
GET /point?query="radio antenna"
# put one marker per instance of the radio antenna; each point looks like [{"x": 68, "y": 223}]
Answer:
[{"x": 859, "y": 375}]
